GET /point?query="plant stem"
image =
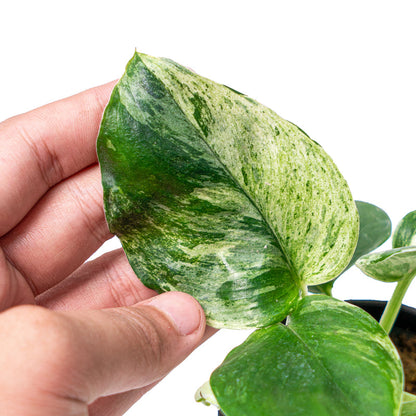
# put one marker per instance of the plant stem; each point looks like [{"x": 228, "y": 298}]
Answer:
[
  {"x": 303, "y": 290},
  {"x": 393, "y": 306}
]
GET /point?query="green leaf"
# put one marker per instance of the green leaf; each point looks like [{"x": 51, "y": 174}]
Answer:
[
  {"x": 375, "y": 229},
  {"x": 405, "y": 233},
  {"x": 408, "y": 409},
  {"x": 408, "y": 397},
  {"x": 206, "y": 396},
  {"x": 391, "y": 265},
  {"x": 332, "y": 359},
  {"x": 408, "y": 405},
  {"x": 324, "y": 288},
  {"x": 213, "y": 194}
]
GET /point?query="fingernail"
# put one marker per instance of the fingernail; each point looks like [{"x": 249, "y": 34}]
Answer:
[{"x": 181, "y": 309}]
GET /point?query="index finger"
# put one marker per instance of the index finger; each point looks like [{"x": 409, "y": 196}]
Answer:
[{"x": 42, "y": 147}]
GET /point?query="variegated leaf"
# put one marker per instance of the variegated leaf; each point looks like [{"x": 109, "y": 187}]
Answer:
[
  {"x": 390, "y": 265},
  {"x": 408, "y": 405},
  {"x": 213, "y": 194},
  {"x": 405, "y": 232},
  {"x": 375, "y": 229}
]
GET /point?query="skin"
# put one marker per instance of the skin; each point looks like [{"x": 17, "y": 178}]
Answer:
[{"x": 76, "y": 338}]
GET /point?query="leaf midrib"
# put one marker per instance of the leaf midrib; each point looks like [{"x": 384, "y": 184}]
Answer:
[
  {"x": 294, "y": 274},
  {"x": 325, "y": 369}
]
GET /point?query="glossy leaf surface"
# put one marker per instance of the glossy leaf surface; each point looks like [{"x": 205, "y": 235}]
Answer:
[
  {"x": 405, "y": 233},
  {"x": 332, "y": 359},
  {"x": 375, "y": 229},
  {"x": 213, "y": 194},
  {"x": 390, "y": 265}
]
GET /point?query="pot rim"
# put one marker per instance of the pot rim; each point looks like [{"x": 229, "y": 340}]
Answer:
[{"x": 406, "y": 318}]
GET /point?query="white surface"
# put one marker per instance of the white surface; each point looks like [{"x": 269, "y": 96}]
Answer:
[{"x": 343, "y": 71}]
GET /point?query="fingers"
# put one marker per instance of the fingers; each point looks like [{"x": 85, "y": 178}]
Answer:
[
  {"x": 117, "y": 404},
  {"x": 129, "y": 348},
  {"x": 60, "y": 232},
  {"x": 105, "y": 282},
  {"x": 40, "y": 148},
  {"x": 78, "y": 357},
  {"x": 14, "y": 289}
]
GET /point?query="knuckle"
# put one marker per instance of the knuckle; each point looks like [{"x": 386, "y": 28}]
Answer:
[
  {"x": 123, "y": 285},
  {"x": 48, "y": 163},
  {"x": 87, "y": 196},
  {"x": 150, "y": 337}
]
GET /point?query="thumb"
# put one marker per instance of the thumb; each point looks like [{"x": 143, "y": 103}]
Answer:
[
  {"x": 132, "y": 347},
  {"x": 60, "y": 362}
]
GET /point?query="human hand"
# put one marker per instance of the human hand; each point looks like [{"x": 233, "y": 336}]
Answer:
[{"x": 76, "y": 338}]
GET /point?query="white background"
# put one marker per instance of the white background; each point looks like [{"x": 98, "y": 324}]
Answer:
[{"x": 343, "y": 71}]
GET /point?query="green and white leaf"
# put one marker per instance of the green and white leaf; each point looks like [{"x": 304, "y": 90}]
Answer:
[
  {"x": 332, "y": 359},
  {"x": 324, "y": 288},
  {"x": 213, "y": 194},
  {"x": 408, "y": 397},
  {"x": 405, "y": 233},
  {"x": 375, "y": 229},
  {"x": 206, "y": 396},
  {"x": 408, "y": 405},
  {"x": 391, "y": 265}
]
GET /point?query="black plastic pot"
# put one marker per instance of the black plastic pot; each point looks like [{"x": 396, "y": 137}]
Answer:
[
  {"x": 404, "y": 328},
  {"x": 405, "y": 320}
]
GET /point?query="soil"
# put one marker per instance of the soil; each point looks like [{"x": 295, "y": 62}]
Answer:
[{"x": 405, "y": 342}]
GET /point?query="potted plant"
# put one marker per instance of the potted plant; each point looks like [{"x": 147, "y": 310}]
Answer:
[
  {"x": 397, "y": 320},
  {"x": 213, "y": 194}
]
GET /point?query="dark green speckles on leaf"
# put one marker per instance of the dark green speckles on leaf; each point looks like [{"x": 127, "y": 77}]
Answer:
[
  {"x": 405, "y": 232},
  {"x": 202, "y": 114},
  {"x": 390, "y": 265},
  {"x": 213, "y": 194},
  {"x": 375, "y": 229},
  {"x": 398, "y": 264}
]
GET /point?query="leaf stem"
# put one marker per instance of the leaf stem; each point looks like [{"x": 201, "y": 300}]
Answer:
[
  {"x": 393, "y": 306},
  {"x": 303, "y": 290}
]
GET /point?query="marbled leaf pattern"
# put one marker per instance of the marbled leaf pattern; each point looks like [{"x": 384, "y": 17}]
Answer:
[
  {"x": 390, "y": 265},
  {"x": 213, "y": 194},
  {"x": 398, "y": 263},
  {"x": 375, "y": 229},
  {"x": 405, "y": 232}
]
